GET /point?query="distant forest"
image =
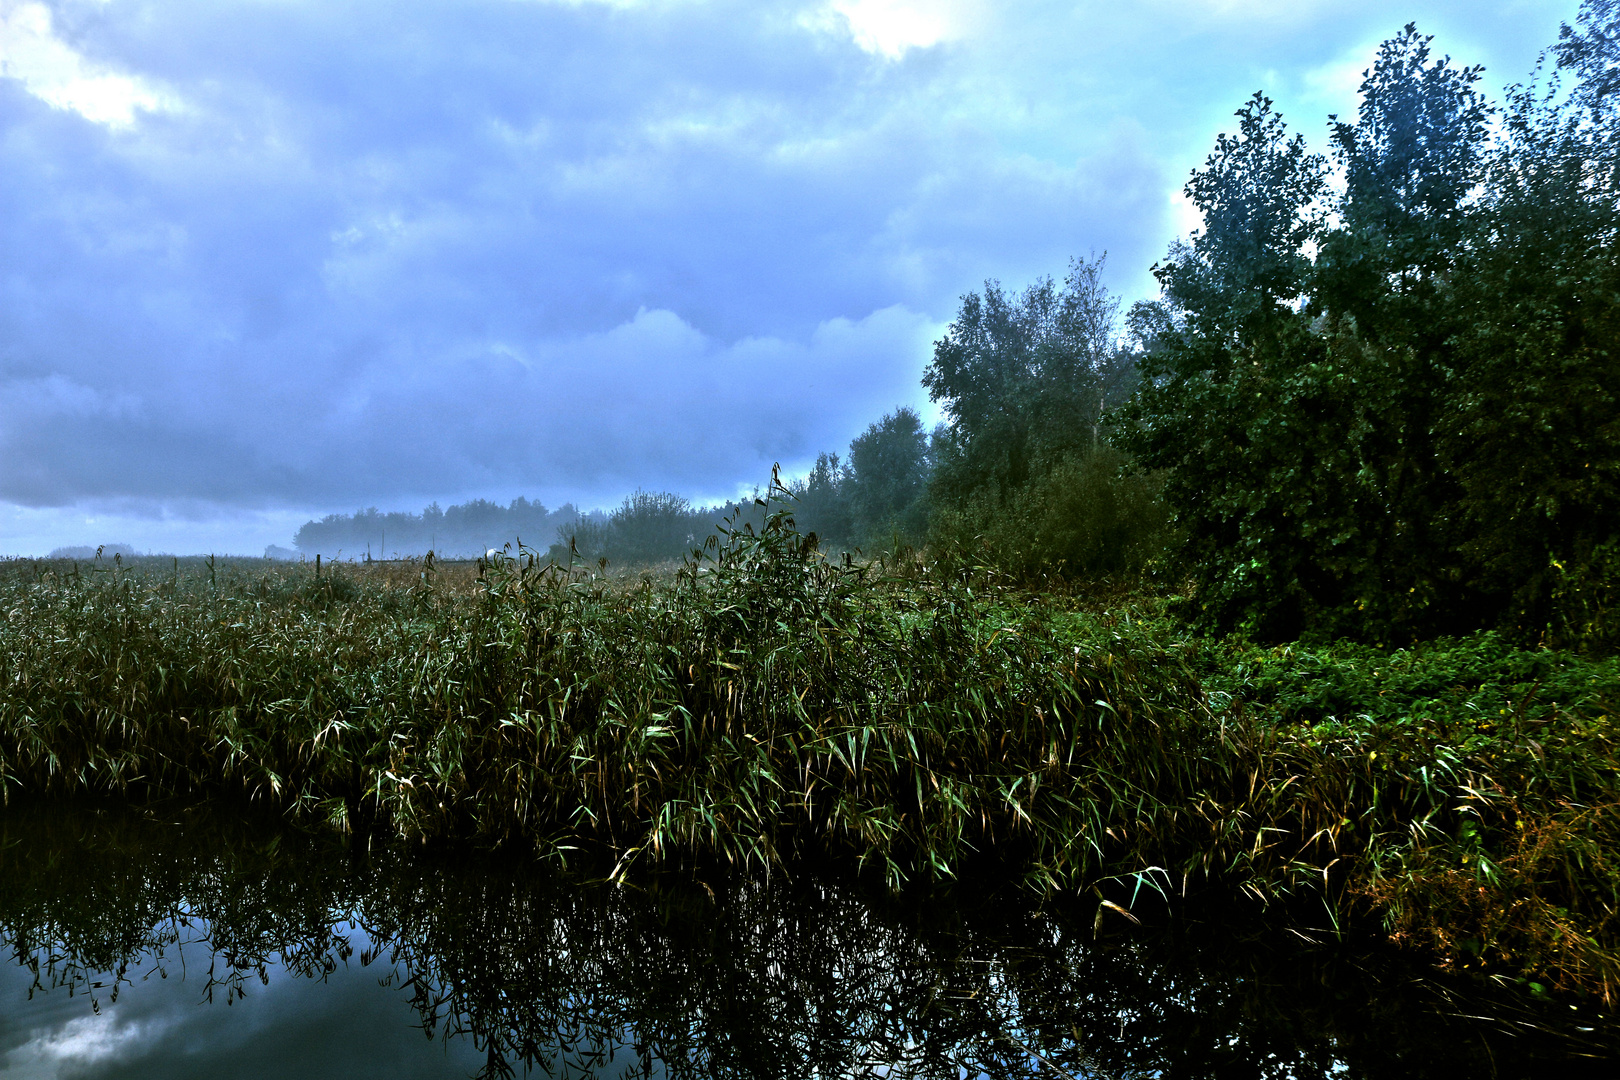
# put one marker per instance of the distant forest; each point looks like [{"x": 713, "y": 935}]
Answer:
[
  {"x": 874, "y": 496},
  {"x": 463, "y": 531}
]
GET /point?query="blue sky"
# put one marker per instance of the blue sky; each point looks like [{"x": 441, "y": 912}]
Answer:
[{"x": 264, "y": 260}]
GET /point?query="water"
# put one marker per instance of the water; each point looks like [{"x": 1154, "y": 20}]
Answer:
[{"x": 189, "y": 943}]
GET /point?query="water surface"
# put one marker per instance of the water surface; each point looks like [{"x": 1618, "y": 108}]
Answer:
[{"x": 187, "y": 942}]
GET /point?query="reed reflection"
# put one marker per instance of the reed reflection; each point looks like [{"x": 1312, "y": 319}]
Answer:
[{"x": 813, "y": 976}]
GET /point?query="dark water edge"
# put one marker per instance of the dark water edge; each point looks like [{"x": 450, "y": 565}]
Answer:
[{"x": 178, "y": 941}]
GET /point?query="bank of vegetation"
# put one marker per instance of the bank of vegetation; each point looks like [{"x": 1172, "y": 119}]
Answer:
[
  {"x": 1306, "y": 585},
  {"x": 766, "y": 702}
]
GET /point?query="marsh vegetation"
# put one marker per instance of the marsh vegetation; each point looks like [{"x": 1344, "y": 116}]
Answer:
[{"x": 765, "y": 705}]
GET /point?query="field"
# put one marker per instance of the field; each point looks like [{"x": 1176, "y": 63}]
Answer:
[{"x": 763, "y": 703}]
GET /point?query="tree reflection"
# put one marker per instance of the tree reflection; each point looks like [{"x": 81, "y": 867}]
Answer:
[{"x": 816, "y": 976}]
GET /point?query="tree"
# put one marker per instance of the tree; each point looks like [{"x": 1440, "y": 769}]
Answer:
[
  {"x": 1023, "y": 380},
  {"x": 889, "y": 467},
  {"x": 1378, "y": 410},
  {"x": 1383, "y": 291},
  {"x": 1536, "y": 417},
  {"x": 1231, "y": 404},
  {"x": 822, "y": 501},
  {"x": 1591, "y": 49}
]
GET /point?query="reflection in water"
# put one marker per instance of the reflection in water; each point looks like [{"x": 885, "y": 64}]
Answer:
[{"x": 329, "y": 958}]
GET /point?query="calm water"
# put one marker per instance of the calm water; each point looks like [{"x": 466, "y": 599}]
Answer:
[{"x": 181, "y": 944}]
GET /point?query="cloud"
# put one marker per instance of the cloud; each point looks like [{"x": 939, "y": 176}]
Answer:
[
  {"x": 78, "y": 1046},
  {"x": 890, "y": 28},
  {"x": 360, "y": 270},
  {"x": 51, "y": 70},
  {"x": 652, "y": 401},
  {"x": 310, "y": 256},
  {"x": 346, "y": 1023}
]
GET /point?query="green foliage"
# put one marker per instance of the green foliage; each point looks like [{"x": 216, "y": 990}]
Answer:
[
  {"x": 1023, "y": 380},
  {"x": 889, "y": 468},
  {"x": 875, "y": 501},
  {"x": 1390, "y": 412},
  {"x": 1025, "y": 479},
  {"x": 1537, "y": 412},
  {"x": 1090, "y": 517},
  {"x": 648, "y": 527},
  {"x": 821, "y": 501},
  {"x": 465, "y": 530},
  {"x": 1505, "y": 759}
]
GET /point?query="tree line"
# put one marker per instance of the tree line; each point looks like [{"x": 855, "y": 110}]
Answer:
[
  {"x": 466, "y": 530},
  {"x": 1377, "y": 397},
  {"x": 1387, "y": 408}
]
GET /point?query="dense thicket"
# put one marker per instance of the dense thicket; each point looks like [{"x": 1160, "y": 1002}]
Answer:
[
  {"x": 1026, "y": 477},
  {"x": 1390, "y": 410}
]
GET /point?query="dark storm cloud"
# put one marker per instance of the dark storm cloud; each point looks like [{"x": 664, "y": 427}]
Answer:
[{"x": 372, "y": 252}]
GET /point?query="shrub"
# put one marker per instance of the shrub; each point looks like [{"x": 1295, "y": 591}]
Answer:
[{"x": 1091, "y": 517}]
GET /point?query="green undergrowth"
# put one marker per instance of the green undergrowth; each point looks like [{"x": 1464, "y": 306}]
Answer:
[{"x": 764, "y": 702}]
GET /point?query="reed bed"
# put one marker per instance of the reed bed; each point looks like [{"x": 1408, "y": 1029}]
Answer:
[{"x": 763, "y": 702}]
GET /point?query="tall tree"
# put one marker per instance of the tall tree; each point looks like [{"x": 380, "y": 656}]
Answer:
[
  {"x": 1392, "y": 411},
  {"x": 1023, "y": 380},
  {"x": 889, "y": 467},
  {"x": 823, "y": 501},
  {"x": 1226, "y": 405},
  {"x": 1534, "y": 423}
]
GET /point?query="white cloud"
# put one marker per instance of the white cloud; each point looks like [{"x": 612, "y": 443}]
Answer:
[
  {"x": 892, "y": 27},
  {"x": 652, "y": 401},
  {"x": 1185, "y": 215},
  {"x": 387, "y": 253},
  {"x": 52, "y": 71},
  {"x": 1336, "y": 87},
  {"x": 83, "y": 1041}
]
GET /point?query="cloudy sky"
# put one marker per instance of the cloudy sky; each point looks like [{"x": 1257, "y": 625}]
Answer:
[
  {"x": 265, "y": 259},
  {"x": 347, "y": 1025}
]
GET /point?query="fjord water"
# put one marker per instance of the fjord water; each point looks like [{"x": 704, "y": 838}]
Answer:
[{"x": 181, "y": 942}]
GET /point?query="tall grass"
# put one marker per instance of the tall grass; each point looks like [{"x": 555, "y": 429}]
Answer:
[{"x": 765, "y": 702}]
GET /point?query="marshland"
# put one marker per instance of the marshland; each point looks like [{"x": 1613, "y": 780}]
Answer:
[
  {"x": 1250, "y": 654},
  {"x": 762, "y": 711}
]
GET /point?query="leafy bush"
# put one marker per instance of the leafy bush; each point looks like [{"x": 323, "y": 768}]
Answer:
[{"x": 1089, "y": 517}]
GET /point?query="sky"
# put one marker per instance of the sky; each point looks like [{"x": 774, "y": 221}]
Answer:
[
  {"x": 164, "y": 1028},
  {"x": 262, "y": 261}
]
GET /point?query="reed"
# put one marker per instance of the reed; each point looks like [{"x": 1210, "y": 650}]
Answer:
[{"x": 764, "y": 702}]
